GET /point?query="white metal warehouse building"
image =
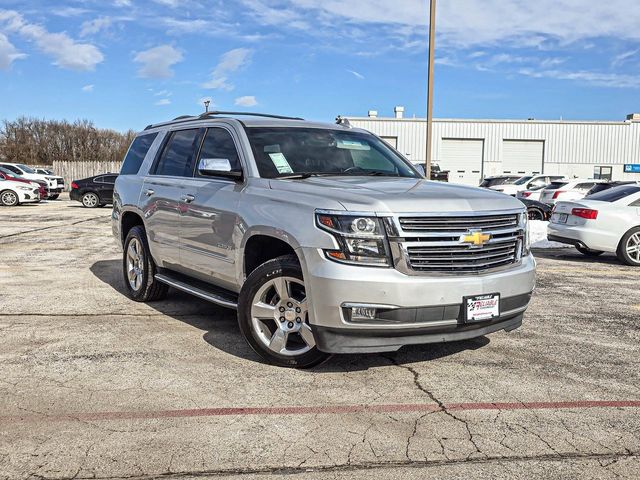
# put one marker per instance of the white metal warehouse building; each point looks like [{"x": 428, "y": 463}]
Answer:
[{"x": 474, "y": 149}]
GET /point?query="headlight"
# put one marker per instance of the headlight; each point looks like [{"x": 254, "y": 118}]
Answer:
[
  {"x": 526, "y": 241},
  {"x": 25, "y": 188},
  {"x": 362, "y": 239}
]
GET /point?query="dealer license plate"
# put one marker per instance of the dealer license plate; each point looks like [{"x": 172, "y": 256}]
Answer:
[
  {"x": 482, "y": 307},
  {"x": 562, "y": 218}
]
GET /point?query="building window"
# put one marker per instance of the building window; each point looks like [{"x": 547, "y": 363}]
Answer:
[
  {"x": 603, "y": 173},
  {"x": 393, "y": 141}
]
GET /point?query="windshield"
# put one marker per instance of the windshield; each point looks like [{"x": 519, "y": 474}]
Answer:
[
  {"x": 616, "y": 193},
  {"x": 522, "y": 180},
  {"x": 286, "y": 151},
  {"x": 26, "y": 169}
]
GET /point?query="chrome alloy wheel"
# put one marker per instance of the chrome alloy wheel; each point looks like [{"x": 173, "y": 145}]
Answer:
[
  {"x": 279, "y": 317},
  {"x": 9, "y": 198},
  {"x": 135, "y": 264},
  {"x": 633, "y": 247},
  {"x": 90, "y": 200}
]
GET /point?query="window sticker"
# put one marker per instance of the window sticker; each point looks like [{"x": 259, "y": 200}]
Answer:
[
  {"x": 352, "y": 145},
  {"x": 280, "y": 163}
]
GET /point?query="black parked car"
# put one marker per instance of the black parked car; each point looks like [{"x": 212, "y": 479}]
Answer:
[
  {"x": 95, "y": 191},
  {"x": 537, "y": 210},
  {"x": 437, "y": 174}
]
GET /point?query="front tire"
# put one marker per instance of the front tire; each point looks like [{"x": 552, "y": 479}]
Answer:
[
  {"x": 273, "y": 315},
  {"x": 629, "y": 248},
  {"x": 9, "y": 198},
  {"x": 535, "y": 214},
  {"x": 138, "y": 268},
  {"x": 588, "y": 252},
  {"x": 90, "y": 200}
]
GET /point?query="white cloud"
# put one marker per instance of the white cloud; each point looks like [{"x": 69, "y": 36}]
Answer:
[
  {"x": 69, "y": 11},
  {"x": 8, "y": 53},
  {"x": 230, "y": 62},
  {"x": 169, "y": 3},
  {"x": 91, "y": 27},
  {"x": 163, "y": 101},
  {"x": 624, "y": 57},
  {"x": 88, "y": 88},
  {"x": 66, "y": 52},
  {"x": 596, "y": 79},
  {"x": 246, "y": 101},
  {"x": 122, "y": 3},
  {"x": 157, "y": 61},
  {"x": 163, "y": 93},
  {"x": 359, "y": 76}
]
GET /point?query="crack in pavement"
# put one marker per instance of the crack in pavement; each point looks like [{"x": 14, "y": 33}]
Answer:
[
  {"x": 352, "y": 467},
  {"x": 441, "y": 406},
  {"x": 17, "y": 234}
]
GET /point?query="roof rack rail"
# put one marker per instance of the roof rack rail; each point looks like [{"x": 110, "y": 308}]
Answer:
[
  {"x": 248, "y": 114},
  {"x": 181, "y": 117}
]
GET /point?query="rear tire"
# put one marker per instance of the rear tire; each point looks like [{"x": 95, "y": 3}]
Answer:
[
  {"x": 138, "y": 268},
  {"x": 588, "y": 252},
  {"x": 629, "y": 248},
  {"x": 90, "y": 200},
  {"x": 273, "y": 316},
  {"x": 53, "y": 197},
  {"x": 9, "y": 198},
  {"x": 535, "y": 214}
]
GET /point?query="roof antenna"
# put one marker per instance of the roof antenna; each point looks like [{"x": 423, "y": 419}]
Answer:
[
  {"x": 340, "y": 120},
  {"x": 206, "y": 105}
]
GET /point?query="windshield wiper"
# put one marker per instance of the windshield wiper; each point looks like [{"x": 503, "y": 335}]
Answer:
[{"x": 303, "y": 175}]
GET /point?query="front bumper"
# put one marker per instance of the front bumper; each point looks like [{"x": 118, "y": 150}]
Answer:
[{"x": 426, "y": 308}]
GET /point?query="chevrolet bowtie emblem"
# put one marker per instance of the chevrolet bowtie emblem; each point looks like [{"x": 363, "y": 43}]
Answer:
[{"x": 475, "y": 238}]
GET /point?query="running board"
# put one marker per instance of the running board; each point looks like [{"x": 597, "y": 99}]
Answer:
[{"x": 201, "y": 290}]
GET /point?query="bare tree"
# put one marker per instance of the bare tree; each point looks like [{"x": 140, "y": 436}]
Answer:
[{"x": 41, "y": 142}]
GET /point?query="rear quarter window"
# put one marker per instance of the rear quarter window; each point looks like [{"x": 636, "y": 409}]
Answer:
[
  {"x": 135, "y": 156},
  {"x": 615, "y": 194}
]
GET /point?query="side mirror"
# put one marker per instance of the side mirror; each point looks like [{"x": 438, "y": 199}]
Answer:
[{"x": 217, "y": 167}]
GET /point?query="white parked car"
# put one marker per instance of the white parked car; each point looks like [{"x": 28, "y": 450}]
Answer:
[
  {"x": 14, "y": 193},
  {"x": 55, "y": 183},
  {"x": 567, "y": 190},
  {"x": 608, "y": 221},
  {"x": 528, "y": 182}
]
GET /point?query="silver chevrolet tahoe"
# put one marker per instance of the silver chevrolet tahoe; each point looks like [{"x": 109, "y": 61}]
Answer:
[{"x": 323, "y": 237}]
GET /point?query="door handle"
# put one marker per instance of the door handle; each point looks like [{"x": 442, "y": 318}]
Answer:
[
  {"x": 149, "y": 192},
  {"x": 188, "y": 198}
]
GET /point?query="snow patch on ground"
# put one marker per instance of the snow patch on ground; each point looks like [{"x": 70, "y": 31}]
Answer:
[{"x": 539, "y": 236}]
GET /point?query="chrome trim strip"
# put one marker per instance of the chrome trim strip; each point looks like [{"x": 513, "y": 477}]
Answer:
[{"x": 211, "y": 297}]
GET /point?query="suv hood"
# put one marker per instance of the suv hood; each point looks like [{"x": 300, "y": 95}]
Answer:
[{"x": 398, "y": 195}]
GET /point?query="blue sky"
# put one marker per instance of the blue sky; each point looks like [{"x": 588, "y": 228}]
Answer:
[{"x": 127, "y": 63}]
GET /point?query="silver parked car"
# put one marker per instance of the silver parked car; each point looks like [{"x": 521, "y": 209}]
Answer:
[
  {"x": 324, "y": 238},
  {"x": 608, "y": 221}
]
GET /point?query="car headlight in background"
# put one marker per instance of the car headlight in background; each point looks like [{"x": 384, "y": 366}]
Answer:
[
  {"x": 362, "y": 239},
  {"x": 25, "y": 188}
]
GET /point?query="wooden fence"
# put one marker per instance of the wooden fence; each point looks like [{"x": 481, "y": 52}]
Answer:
[{"x": 78, "y": 170}]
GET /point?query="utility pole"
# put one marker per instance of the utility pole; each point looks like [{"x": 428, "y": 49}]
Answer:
[{"x": 432, "y": 48}]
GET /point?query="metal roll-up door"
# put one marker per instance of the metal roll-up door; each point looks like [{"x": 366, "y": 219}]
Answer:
[
  {"x": 463, "y": 159},
  {"x": 522, "y": 157}
]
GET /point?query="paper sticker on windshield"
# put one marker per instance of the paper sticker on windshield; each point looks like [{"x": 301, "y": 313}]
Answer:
[
  {"x": 280, "y": 163},
  {"x": 352, "y": 145}
]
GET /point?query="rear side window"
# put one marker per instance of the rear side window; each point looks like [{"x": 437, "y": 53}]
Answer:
[
  {"x": 584, "y": 186},
  {"x": 616, "y": 193},
  {"x": 178, "y": 156},
  {"x": 555, "y": 185},
  {"x": 218, "y": 143},
  {"x": 13, "y": 169},
  {"x": 137, "y": 152},
  {"x": 109, "y": 179}
]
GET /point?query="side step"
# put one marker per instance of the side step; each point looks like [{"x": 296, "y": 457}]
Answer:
[{"x": 199, "y": 289}]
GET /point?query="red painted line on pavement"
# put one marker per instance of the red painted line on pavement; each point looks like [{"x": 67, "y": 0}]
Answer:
[{"x": 323, "y": 410}]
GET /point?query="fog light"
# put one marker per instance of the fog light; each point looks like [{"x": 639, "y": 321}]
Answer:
[{"x": 362, "y": 314}]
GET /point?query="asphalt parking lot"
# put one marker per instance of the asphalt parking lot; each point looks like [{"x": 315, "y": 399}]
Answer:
[{"x": 93, "y": 385}]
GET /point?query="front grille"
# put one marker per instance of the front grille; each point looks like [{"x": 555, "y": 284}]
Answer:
[{"x": 433, "y": 244}]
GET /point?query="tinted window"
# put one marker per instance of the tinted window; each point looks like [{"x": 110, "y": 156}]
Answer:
[
  {"x": 98, "y": 179},
  {"x": 178, "y": 156},
  {"x": 555, "y": 185},
  {"x": 13, "y": 169},
  {"x": 584, "y": 186},
  {"x": 522, "y": 180},
  {"x": 109, "y": 179},
  {"x": 616, "y": 193},
  {"x": 218, "y": 143},
  {"x": 137, "y": 152}
]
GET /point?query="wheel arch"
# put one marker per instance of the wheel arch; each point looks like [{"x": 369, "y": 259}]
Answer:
[{"x": 263, "y": 245}]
